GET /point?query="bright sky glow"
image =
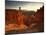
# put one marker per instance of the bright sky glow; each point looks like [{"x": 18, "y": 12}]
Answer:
[{"x": 24, "y": 5}]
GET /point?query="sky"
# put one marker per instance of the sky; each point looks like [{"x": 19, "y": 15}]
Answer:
[{"x": 24, "y": 5}]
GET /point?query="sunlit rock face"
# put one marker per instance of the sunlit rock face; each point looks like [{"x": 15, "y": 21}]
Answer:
[
  {"x": 17, "y": 21},
  {"x": 14, "y": 20}
]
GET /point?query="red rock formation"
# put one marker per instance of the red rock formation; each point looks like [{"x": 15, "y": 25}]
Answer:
[{"x": 16, "y": 20}]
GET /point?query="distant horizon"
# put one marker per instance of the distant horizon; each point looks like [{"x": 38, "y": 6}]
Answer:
[
  {"x": 30, "y": 6},
  {"x": 24, "y": 9}
]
